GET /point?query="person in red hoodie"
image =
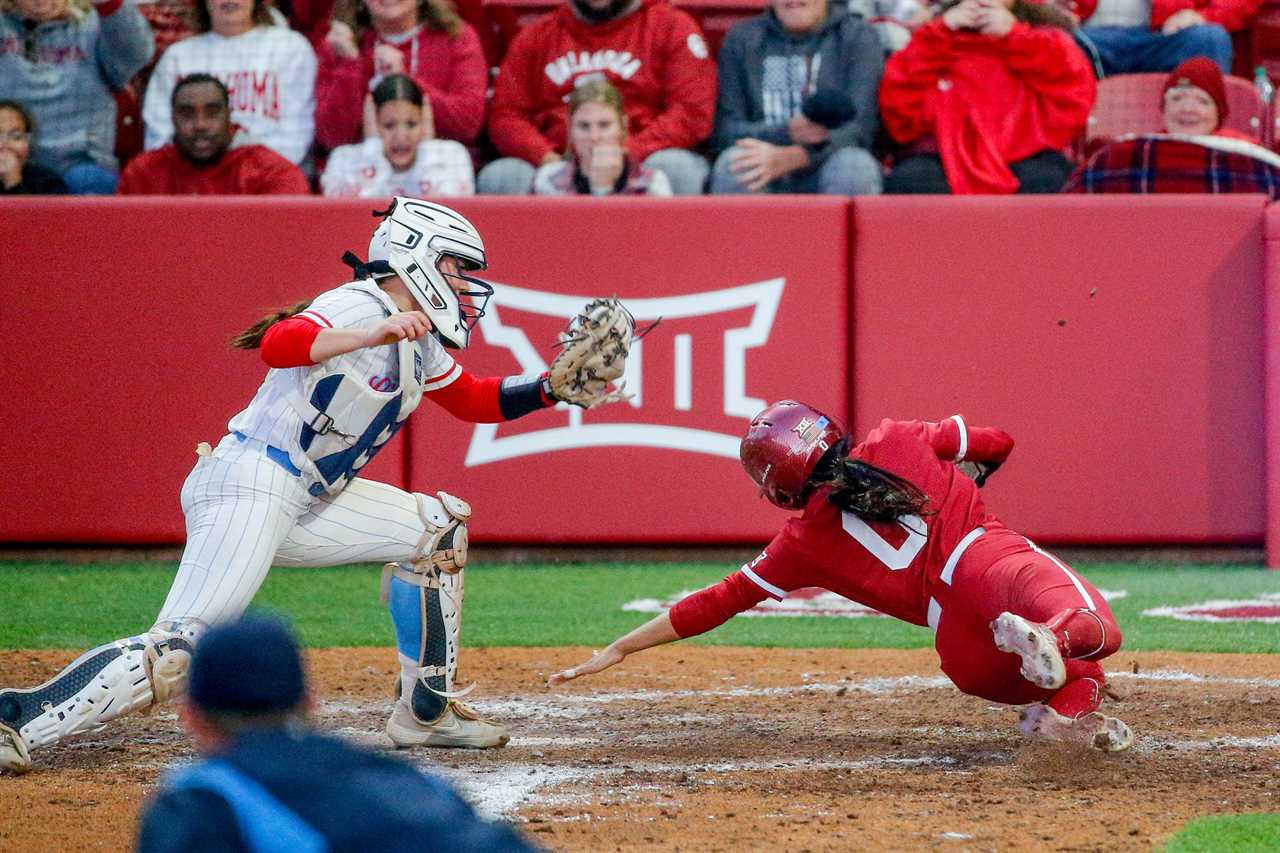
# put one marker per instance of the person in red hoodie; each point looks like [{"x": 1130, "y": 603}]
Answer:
[
  {"x": 651, "y": 52},
  {"x": 424, "y": 39},
  {"x": 202, "y": 159},
  {"x": 985, "y": 97}
]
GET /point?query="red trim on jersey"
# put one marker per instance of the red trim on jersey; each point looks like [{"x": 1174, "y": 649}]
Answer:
[
  {"x": 715, "y": 605},
  {"x": 469, "y": 398},
  {"x": 288, "y": 343},
  {"x": 452, "y": 367},
  {"x": 316, "y": 316}
]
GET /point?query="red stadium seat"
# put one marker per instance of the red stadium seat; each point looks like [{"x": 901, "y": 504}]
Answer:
[{"x": 1130, "y": 103}]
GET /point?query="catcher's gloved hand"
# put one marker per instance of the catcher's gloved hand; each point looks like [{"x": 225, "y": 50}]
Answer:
[
  {"x": 594, "y": 348},
  {"x": 978, "y": 471}
]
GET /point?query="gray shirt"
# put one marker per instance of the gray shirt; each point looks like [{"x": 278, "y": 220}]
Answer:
[{"x": 64, "y": 72}]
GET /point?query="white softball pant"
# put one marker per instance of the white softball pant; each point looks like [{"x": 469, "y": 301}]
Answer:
[{"x": 245, "y": 513}]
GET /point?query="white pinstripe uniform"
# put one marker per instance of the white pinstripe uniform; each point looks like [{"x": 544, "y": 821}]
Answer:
[
  {"x": 281, "y": 488},
  {"x": 246, "y": 511}
]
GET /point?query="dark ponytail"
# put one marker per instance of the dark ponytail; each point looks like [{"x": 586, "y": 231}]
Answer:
[
  {"x": 866, "y": 490},
  {"x": 251, "y": 338}
]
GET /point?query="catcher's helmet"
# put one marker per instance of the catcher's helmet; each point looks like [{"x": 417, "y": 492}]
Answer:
[
  {"x": 782, "y": 446},
  {"x": 411, "y": 238}
]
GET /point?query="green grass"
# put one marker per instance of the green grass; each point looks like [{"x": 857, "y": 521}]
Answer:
[
  {"x": 1238, "y": 833},
  {"x": 54, "y": 605}
]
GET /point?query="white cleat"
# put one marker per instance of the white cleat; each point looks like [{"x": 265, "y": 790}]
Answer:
[
  {"x": 1096, "y": 730},
  {"x": 458, "y": 726},
  {"x": 14, "y": 756},
  {"x": 1042, "y": 662}
]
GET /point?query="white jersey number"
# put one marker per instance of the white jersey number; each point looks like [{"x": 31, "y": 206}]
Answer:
[{"x": 894, "y": 559}]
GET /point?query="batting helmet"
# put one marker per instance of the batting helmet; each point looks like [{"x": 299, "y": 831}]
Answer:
[
  {"x": 782, "y": 446},
  {"x": 410, "y": 240}
]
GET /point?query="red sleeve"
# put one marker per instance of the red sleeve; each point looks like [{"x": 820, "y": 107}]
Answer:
[
  {"x": 715, "y": 605},
  {"x": 1231, "y": 15},
  {"x": 471, "y": 399},
  {"x": 910, "y": 77},
  {"x": 458, "y": 109},
  {"x": 515, "y": 100},
  {"x": 129, "y": 179},
  {"x": 288, "y": 343},
  {"x": 341, "y": 85},
  {"x": 953, "y": 439},
  {"x": 689, "y": 85},
  {"x": 1049, "y": 62}
]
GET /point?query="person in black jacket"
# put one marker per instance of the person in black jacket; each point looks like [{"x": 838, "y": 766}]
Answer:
[
  {"x": 269, "y": 783},
  {"x": 797, "y": 110}
]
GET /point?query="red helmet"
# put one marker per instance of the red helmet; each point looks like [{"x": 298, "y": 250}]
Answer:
[{"x": 782, "y": 447}]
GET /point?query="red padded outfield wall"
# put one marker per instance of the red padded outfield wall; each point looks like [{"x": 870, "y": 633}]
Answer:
[
  {"x": 1118, "y": 338},
  {"x": 1138, "y": 420}
]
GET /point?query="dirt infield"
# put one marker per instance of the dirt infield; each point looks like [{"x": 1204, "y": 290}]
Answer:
[{"x": 699, "y": 748}]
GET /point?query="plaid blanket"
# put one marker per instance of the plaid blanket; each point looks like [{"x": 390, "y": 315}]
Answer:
[{"x": 1166, "y": 163}]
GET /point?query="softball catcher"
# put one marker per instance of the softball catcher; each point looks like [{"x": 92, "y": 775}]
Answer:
[{"x": 282, "y": 487}]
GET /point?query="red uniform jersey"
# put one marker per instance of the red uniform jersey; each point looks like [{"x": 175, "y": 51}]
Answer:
[{"x": 891, "y": 566}]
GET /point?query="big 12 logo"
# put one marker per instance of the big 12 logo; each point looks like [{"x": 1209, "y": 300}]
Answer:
[{"x": 719, "y": 315}]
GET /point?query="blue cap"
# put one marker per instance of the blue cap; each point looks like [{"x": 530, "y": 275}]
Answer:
[{"x": 251, "y": 666}]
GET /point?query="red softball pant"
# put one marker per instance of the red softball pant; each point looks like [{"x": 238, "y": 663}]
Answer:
[{"x": 1037, "y": 586}]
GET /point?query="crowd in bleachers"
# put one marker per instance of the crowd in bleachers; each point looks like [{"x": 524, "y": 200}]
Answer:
[{"x": 600, "y": 97}]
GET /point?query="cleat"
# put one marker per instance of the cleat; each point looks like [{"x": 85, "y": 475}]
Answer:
[
  {"x": 1042, "y": 662},
  {"x": 15, "y": 758},
  {"x": 1096, "y": 730},
  {"x": 458, "y": 726}
]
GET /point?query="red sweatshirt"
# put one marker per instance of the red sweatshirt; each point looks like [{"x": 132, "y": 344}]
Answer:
[
  {"x": 987, "y": 101},
  {"x": 655, "y": 56},
  {"x": 451, "y": 72},
  {"x": 1231, "y": 15},
  {"x": 247, "y": 170}
]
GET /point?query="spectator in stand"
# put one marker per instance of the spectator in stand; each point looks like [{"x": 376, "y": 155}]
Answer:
[
  {"x": 985, "y": 98},
  {"x": 405, "y": 158},
  {"x": 270, "y": 782},
  {"x": 17, "y": 176},
  {"x": 1194, "y": 101},
  {"x": 209, "y": 155},
  {"x": 797, "y": 110},
  {"x": 424, "y": 39},
  {"x": 269, "y": 70},
  {"x": 597, "y": 160},
  {"x": 652, "y": 52},
  {"x": 1126, "y": 36},
  {"x": 61, "y": 64}
]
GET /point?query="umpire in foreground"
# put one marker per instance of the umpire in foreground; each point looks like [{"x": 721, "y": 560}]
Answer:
[{"x": 268, "y": 783}]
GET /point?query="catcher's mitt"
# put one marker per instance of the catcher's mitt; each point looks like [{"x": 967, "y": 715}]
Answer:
[{"x": 593, "y": 353}]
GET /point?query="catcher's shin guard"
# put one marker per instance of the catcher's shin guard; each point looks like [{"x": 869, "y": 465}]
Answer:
[
  {"x": 425, "y": 600},
  {"x": 97, "y": 687}
]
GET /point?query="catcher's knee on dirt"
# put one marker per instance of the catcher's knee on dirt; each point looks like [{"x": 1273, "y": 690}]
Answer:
[
  {"x": 103, "y": 684},
  {"x": 424, "y": 595}
]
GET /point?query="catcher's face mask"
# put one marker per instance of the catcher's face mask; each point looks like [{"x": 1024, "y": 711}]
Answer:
[{"x": 473, "y": 293}]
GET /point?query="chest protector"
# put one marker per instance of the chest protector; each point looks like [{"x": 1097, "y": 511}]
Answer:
[{"x": 345, "y": 421}]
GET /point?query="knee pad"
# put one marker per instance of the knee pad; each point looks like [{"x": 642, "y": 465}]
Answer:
[{"x": 444, "y": 538}]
